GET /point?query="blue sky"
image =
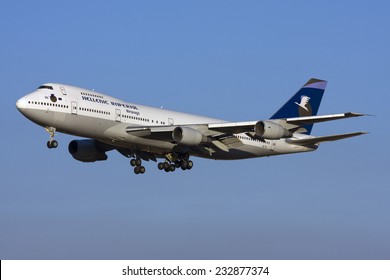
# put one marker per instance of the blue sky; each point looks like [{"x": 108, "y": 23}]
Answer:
[{"x": 235, "y": 60}]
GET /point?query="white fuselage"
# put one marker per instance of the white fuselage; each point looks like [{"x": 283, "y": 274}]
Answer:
[{"x": 86, "y": 113}]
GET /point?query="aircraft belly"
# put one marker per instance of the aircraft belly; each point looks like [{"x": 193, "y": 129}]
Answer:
[
  {"x": 141, "y": 144},
  {"x": 40, "y": 117},
  {"x": 107, "y": 131},
  {"x": 83, "y": 126},
  {"x": 253, "y": 151}
]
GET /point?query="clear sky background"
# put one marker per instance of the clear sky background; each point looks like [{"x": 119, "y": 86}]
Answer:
[{"x": 234, "y": 60}]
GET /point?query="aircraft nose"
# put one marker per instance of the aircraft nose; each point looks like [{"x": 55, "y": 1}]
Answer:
[{"x": 21, "y": 103}]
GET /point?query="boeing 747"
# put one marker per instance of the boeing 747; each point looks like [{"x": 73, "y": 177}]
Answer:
[{"x": 143, "y": 133}]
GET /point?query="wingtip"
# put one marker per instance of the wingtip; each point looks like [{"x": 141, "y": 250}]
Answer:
[
  {"x": 361, "y": 133},
  {"x": 353, "y": 114}
]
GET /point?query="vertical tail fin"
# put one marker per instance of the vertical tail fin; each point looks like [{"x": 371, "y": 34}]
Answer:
[{"x": 304, "y": 103}]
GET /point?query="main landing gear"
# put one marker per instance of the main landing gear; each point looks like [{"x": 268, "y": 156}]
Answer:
[
  {"x": 171, "y": 165},
  {"x": 51, "y": 144},
  {"x": 138, "y": 168}
]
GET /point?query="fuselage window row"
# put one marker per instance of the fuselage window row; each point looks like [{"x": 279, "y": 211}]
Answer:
[
  {"x": 92, "y": 95},
  {"x": 94, "y": 111},
  {"x": 139, "y": 119},
  {"x": 136, "y": 118},
  {"x": 48, "y": 104}
]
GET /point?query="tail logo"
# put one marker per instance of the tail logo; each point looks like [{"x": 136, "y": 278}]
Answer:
[{"x": 304, "y": 107}]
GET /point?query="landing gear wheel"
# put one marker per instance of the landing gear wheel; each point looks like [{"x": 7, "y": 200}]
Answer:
[
  {"x": 186, "y": 157},
  {"x": 187, "y": 165},
  {"x": 52, "y": 144},
  {"x": 132, "y": 162},
  {"x": 173, "y": 162},
  {"x": 139, "y": 170},
  {"x": 138, "y": 162}
]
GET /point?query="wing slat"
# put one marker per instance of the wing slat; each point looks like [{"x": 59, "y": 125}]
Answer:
[{"x": 324, "y": 118}]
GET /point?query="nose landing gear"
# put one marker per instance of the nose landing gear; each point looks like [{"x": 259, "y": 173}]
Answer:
[{"x": 51, "y": 144}]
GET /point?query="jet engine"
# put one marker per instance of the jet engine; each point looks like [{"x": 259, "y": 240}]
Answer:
[
  {"x": 187, "y": 136},
  {"x": 86, "y": 150},
  {"x": 271, "y": 130}
]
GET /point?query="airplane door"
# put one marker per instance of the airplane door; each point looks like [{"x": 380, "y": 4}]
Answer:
[
  {"x": 117, "y": 115},
  {"x": 170, "y": 121},
  {"x": 74, "y": 107}
]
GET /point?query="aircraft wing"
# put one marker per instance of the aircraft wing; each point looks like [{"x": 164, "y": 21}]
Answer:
[
  {"x": 208, "y": 129},
  {"x": 232, "y": 127},
  {"x": 222, "y": 135},
  {"x": 288, "y": 123},
  {"x": 213, "y": 129},
  {"x": 221, "y": 138},
  {"x": 316, "y": 140}
]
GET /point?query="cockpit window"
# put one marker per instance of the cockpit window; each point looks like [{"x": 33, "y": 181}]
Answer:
[{"x": 46, "y": 87}]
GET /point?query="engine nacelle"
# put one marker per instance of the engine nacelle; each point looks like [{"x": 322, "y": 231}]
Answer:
[
  {"x": 271, "y": 130},
  {"x": 86, "y": 151},
  {"x": 187, "y": 136}
]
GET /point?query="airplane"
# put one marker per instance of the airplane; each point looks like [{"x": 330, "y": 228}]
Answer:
[{"x": 140, "y": 132}]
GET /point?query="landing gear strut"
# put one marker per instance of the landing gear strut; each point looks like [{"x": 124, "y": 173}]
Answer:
[
  {"x": 138, "y": 168},
  {"x": 51, "y": 144}
]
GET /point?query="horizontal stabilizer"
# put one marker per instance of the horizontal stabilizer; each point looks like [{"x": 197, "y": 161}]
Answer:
[{"x": 316, "y": 140}]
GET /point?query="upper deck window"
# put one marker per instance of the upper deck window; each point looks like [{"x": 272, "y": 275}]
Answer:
[{"x": 46, "y": 87}]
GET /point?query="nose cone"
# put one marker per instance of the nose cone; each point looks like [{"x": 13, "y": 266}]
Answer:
[{"x": 21, "y": 103}]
